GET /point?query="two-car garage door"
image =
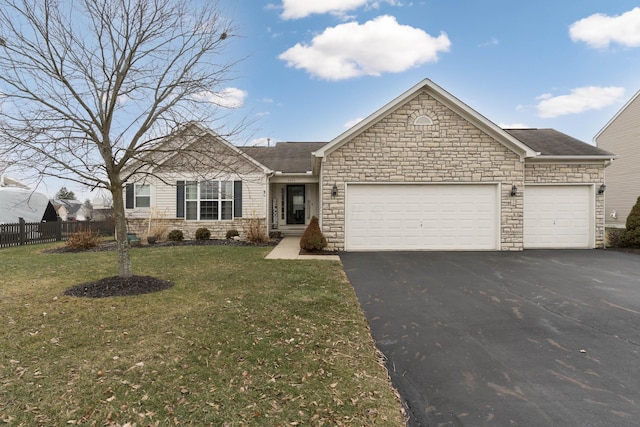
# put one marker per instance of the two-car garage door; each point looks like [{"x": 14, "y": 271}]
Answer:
[
  {"x": 422, "y": 217},
  {"x": 463, "y": 217}
]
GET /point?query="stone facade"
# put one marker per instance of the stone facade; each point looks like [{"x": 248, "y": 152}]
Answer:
[
  {"x": 451, "y": 149},
  {"x": 573, "y": 173},
  {"x": 218, "y": 229}
]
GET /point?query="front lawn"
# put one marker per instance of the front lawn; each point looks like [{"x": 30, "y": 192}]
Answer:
[{"x": 238, "y": 340}]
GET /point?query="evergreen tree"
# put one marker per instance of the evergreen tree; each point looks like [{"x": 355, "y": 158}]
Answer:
[
  {"x": 64, "y": 194},
  {"x": 631, "y": 237}
]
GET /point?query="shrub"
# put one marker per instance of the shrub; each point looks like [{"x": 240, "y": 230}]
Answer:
[
  {"x": 631, "y": 237},
  {"x": 175, "y": 236},
  {"x": 83, "y": 240},
  {"x": 614, "y": 237},
  {"x": 255, "y": 232},
  {"x": 232, "y": 233},
  {"x": 203, "y": 234},
  {"x": 159, "y": 232},
  {"x": 312, "y": 239}
]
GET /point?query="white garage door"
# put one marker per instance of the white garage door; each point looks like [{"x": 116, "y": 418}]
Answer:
[
  {"x": 422, "y": 217},
  {"x": 558, "y": 216}
]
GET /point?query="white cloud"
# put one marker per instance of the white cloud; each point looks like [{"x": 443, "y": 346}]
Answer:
[
  {"x": 296, "y": 9},
  {"x": 600, "y": 30},
  {"x": 375, "y": 47},
  {"x": 230, "y": 97},
  {"x": 493, "y": 41},
  {"x": 578, "y": 101},
  {"x": 351, "y": 123}
]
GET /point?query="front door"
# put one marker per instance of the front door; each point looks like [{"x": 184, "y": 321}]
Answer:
[{"x": 295, "y": 204}]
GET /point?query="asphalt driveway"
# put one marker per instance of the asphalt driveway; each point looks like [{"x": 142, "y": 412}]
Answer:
[{"x": 533, "y": 338}]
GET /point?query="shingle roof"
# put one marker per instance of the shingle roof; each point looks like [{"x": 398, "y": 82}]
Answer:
[
  {"x": 286, "y": 157},
  {"x": 550, "y": 142}
]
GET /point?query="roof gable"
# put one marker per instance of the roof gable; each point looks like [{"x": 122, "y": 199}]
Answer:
[
  {"x": 635, "y": 98},
  {"x": 446, "y": 99},
  {"x": 196, "y": 149}
]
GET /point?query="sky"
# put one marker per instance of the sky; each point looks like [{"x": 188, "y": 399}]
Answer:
[
  {"x": 311, "y": 69},
  {"x": 314, "y": 68}
]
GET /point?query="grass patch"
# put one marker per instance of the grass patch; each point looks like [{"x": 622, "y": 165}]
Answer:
[{"x": 238, "y": 341}]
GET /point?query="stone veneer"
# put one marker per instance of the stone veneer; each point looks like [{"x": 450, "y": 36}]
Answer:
[
  {"x": 572, "y": 173},
  {"x": 450, "y": 150},
  {"x": 218, "y": 229}
]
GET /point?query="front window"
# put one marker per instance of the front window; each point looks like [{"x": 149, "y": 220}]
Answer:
[
  {"x": 209, "y": 200},
  {"x": 143, "y": 195}
]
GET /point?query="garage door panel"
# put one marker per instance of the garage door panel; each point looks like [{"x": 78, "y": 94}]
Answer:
[
  {"x": 418, "y": 217},
  {"x": 558, "y": 216}
]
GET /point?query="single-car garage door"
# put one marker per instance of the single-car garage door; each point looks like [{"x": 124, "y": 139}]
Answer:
[
  {"x": 422, "y": 217},
  {"x": 558, "y": 216}
]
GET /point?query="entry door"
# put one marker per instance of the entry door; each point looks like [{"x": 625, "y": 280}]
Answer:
[{"x": 295, "y": 204}]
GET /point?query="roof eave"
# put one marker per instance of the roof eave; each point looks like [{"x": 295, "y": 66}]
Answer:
[
  {"x": 542, "y": 157},
  {"x": 615, "y": 117}
]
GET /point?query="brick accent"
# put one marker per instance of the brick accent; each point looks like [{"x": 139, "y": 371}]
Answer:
[
  {"x": 218, "y": 229},
  {"x": 450, "y": 150}
]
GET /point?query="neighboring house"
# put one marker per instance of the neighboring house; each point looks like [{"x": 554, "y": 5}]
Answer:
[
  {"x": 101, "y": 209},
  {"x": 424, "y": 172},
  {"x": 622, "y": 136},
  {"x": 18, "y": 201},
  {"x": 71, "y": 210}
]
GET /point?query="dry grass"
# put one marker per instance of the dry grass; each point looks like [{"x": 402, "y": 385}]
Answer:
[{"x": 237, "y": 341}]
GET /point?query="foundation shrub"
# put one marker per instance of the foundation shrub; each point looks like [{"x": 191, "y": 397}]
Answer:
[
  {"x": 232, "y": 233},
  {"x": 203, "y": 234},
  {"x": 313, "y": 239},
  {"x": 175, "y": 236},
  {"x": 631, "y": 237},
  {"x": 255, "y": 232}
]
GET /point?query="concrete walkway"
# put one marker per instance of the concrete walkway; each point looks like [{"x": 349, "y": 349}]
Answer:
[{"x": 289, "y": 248}]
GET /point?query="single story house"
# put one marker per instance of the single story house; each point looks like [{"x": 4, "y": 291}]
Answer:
[
  {"x": 71, "y": 210},
  {"x": 621, "y": 135},
  {"x": 424, "y": 172}
]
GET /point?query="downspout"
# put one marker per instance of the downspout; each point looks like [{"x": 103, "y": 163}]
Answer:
[{"x": 267, "y": 204}]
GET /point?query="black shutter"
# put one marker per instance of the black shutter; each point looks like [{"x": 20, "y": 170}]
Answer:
[
  {"x": 237, "y": 199},
  {"x": 128, "y": 196},
  {"x": 180, "y": 199}
]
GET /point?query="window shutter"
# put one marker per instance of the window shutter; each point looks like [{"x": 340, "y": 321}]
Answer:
[
  {"x": 180, "y": 199},
  {"x": 237, "y": 199},
  {"x": 128, "y": 196}
]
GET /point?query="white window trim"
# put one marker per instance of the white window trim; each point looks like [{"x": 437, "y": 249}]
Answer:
[
  {"x": 198, "y": 200},
  {"x": 136, "y": 196}
]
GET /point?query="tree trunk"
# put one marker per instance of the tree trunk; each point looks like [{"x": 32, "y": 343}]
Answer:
[{"x": 124, "y": 258}]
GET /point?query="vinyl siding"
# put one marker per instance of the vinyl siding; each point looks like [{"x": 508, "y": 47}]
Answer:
[{"x": 622, "y": 137}]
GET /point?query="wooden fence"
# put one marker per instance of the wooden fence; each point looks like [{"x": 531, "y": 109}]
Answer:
[{"x": 27, "y": 233}]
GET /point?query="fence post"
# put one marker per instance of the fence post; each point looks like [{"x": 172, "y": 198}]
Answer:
[
  {"x": 22, "y": 231},
  {"x": 59, "y": 230}
]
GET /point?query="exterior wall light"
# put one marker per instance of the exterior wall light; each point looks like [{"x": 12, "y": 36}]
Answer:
[
  {"x": 602, "y": 188},
  {"x": 334, "y": 191},
  {"x": 514, "y": 190}
]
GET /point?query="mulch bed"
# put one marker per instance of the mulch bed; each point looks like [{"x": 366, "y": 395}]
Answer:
[
  {"x": 119, "y": 286},
  {"x": 323, "y": 252},
  {"x": 137, "y": 285}
]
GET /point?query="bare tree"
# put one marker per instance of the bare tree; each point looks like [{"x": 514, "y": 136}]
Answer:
[{"x": 87, "y": 87}]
